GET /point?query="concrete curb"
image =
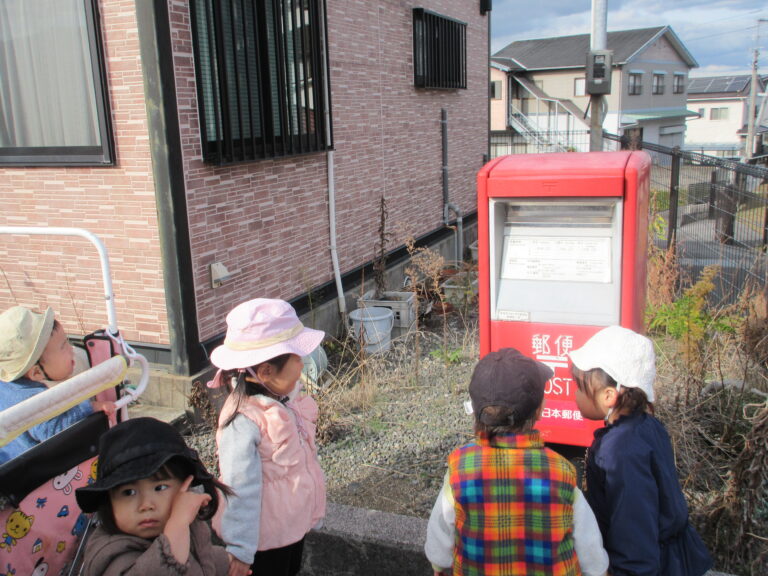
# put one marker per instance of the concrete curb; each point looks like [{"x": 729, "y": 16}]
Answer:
[{"x": 355, "y": 541}]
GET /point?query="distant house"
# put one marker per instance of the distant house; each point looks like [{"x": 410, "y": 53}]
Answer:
[
  {"x": 257, "y": 138},
  {"x": 722, "y": 103},
  {"x": 546, "y": 85}
]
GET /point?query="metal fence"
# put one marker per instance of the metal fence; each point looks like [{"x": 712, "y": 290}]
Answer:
[
  {"x": 710, "y": 211},
  {"x": 512, "y": 142}
]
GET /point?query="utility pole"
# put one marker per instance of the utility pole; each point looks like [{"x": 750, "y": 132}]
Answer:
[
  {"x": 750, "y": 144},
  {"x": 598, "y": 42}
]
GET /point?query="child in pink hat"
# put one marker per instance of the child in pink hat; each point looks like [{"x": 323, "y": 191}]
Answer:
[{"x": 266, "y": 439}]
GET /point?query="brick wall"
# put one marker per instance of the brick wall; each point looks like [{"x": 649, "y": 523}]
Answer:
[
  {"x": 115, "y": 203},
  {"x": 268, "y": 221}
]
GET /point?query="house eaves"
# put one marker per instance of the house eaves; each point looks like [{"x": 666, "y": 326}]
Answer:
[
  {"x": 632, "y": 117},
  {"x": 673, "y": 39},
  {"x": 509, "y": 63}
]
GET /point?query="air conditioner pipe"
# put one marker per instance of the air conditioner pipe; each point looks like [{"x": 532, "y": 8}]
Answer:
[
  {"x": 332, "y": 187},
  {"x": 449, "y": 206}
]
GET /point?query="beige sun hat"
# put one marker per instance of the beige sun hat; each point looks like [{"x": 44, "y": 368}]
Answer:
[
  {"x": 623, "y": 354},
  {"x": 24, "y": 335}
]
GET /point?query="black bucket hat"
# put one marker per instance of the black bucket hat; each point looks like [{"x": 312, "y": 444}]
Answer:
[{"x": 133, "y": 450}]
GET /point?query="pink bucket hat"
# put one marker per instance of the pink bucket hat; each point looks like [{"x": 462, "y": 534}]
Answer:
[{"x": 261, "y": 329}]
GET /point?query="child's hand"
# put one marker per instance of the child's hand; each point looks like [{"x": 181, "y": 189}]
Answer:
[
  {"x": 237, "y": 567},
  {"x": 107, "y": 407},
  {"x": 186, "y": 504},
  {"x": 184, "y": 509}
]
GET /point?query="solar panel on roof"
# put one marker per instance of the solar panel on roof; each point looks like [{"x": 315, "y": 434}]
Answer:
[{"x": 717, "y": 84}]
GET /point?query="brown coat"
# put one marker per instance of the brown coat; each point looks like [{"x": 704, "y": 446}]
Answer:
[{"x": 125, "y": 555}]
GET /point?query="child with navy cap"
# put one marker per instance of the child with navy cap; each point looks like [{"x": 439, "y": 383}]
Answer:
[{"x": 509, "y": 505}]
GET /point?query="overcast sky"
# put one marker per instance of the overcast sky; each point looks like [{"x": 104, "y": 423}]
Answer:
[{"x": 720, "y": 34}]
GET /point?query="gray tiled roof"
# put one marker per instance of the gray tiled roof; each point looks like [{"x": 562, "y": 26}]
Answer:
[{"x": 570, "y": 51}]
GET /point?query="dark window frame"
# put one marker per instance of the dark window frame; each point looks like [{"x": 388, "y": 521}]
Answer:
[
  {"x": 439, "y": 51},
  {"x": 678, "y": 84},
  {"x": 657, "y": 86},
  {"x": 495, "y": 90},
  {"x": 99, "y": 155},
  {"x": 635, "y": 84},
  {"x": 264, "y": 92}
]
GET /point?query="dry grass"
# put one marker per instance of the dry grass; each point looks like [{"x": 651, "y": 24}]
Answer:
[{"x": 713, "y": 398}]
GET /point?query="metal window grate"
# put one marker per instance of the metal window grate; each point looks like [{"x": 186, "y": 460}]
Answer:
[
  {"x": 439, "y": 51},
  {"x": 261, "y": 78}
]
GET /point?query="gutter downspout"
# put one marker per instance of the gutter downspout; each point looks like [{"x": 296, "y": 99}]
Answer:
[
  {"x": 332, "y": 187},
  {"x": 447, "y": 205}
]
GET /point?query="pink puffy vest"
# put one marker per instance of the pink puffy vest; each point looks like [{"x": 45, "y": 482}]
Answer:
[{"x": 293, "y": 488}]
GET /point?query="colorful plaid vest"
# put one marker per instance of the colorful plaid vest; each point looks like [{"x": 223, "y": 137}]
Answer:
[{"x": 514, "y": 508}]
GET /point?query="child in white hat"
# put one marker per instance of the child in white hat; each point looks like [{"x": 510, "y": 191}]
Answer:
[
  {"x": 266, "y": 439},
  {"x": 632, "y": 483},
  {"x": 34, "y": 354}
]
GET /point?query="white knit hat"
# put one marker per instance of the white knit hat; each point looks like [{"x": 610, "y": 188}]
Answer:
[{"x": 624, "y": 355}]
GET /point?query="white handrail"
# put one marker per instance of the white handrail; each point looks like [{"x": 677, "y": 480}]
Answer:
[
  {"x": 131, "y": 356},
  {"x": 104, "y": 257}
]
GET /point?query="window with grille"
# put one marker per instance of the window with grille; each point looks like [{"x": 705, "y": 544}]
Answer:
[
  {"x": 495, "y": 90},
  {"x": 658, "y": 84},
  {"x": 54, "y": 106},
  {"x": 678, "y": 84},
  {"x": 635, "y": 83},
  {"x": 261, "y": 80},
  {"x": 439, "y": 51}
]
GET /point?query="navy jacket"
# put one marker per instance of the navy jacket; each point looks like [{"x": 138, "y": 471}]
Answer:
[{"x": 634, "y": 491}]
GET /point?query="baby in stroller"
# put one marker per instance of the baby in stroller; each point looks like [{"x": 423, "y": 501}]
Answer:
[{"x": 34, "y": 355}]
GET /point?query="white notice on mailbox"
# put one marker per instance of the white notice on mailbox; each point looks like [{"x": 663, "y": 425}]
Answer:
[{"x": 557, "y": 258}]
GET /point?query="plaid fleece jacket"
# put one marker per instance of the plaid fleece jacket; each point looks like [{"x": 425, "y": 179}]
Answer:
[{"x": 514, "y": 508}]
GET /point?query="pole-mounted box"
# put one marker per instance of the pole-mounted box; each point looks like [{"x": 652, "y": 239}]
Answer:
[{"x": 599, "y": 66}]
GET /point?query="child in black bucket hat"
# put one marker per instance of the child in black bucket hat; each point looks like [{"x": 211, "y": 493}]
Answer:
[
  {"x": 510, "y": 505},
  {"x": 151, "y": 517}
]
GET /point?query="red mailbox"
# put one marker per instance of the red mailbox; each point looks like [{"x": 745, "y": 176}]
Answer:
[{"x": 561, "y": 253}]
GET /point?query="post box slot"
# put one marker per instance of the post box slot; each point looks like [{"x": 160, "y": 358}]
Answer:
[{"x": 556, "y": 260}]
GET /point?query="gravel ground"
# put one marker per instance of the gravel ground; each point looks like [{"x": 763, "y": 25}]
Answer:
[{"x": 386, "y": 428}]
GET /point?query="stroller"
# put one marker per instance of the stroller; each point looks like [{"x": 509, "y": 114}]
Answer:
[{"x": 40, "y": 522}]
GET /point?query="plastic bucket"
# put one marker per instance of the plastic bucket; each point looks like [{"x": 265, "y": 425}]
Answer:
[
  {"x": 315, "y": 364},
  {"x": 372, "y": 326}
]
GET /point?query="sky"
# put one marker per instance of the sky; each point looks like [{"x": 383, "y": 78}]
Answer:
[{"x": 720, "y": 34}]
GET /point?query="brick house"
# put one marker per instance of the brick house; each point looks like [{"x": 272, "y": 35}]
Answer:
[{"x": 185, "y": 134}]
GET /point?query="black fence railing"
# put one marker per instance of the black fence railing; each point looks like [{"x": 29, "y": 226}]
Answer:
[{"x": 711, "y": 212}]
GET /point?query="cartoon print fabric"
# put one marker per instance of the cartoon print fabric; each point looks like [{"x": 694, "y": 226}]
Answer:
[{"x": 40, "y": 537}]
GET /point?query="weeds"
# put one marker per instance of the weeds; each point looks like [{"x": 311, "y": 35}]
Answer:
[{"x": 712, "y": 384}]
